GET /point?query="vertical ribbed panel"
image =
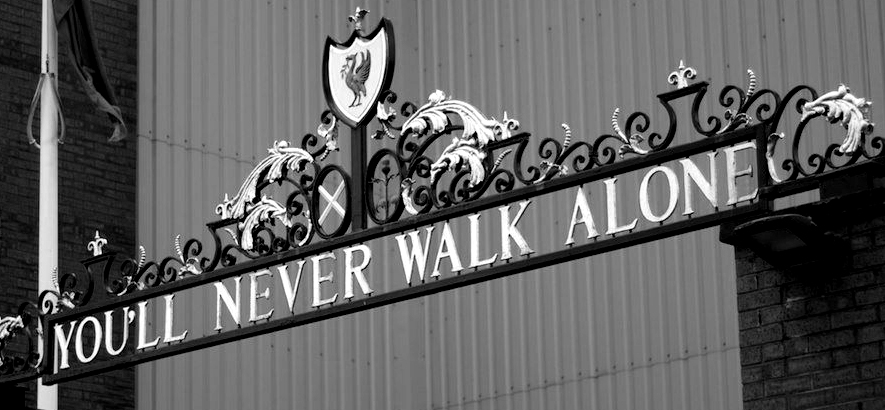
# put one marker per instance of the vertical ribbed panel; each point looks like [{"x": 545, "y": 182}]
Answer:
[{"x": 650, "y": 327}]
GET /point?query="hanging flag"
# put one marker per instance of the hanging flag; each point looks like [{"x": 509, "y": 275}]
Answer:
[{"x": 73, "y": 18}]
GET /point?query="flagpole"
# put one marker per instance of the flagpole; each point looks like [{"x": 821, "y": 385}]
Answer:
[{"x": 47, "y": 396}]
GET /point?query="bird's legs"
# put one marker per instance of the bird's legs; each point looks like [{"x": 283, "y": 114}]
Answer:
[{"x": 357, "y": 99}]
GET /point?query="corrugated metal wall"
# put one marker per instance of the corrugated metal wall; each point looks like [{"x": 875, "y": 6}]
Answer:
[{"x": 652, "y": 327}]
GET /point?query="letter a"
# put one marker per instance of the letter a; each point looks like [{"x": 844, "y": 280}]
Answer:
[{"x": 586, "y": 218}]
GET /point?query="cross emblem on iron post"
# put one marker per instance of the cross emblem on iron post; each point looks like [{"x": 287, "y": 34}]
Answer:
[{"x": 331, "y": 202}]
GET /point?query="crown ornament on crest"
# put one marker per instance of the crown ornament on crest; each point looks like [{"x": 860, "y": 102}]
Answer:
[{"x": 357, "y": 19}]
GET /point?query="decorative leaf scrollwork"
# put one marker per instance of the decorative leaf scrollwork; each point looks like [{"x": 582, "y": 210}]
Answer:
[
  {"x": 474, "y": 158},
  {"x": 631, "y": 144},
  {"x": 270, "y": 169},
  {"x": 10, "y": 326},
  {"x": 412, "y": 177},
  {"x": 843, "y": 107},
  {"x": 328, "y": 129},
  {"x": 23, "y": 330},
  {"x": 838, "y": 106},
  {"x": 467, "y": 149},
  {"x": 245, "y": 205},
  {"x": 387, "y": 115},
  {"x": 190, "y": 264},
  {"x": 549, "y": 169},
  {"x": 735, "y": 119},
  {"x": 67, "y": 293},
  {"x": 406, "y": 195},
  {"x": 265, "y": 210}
]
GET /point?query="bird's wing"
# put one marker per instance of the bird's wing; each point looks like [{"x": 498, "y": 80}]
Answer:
[{"x": 362, "y": 72}]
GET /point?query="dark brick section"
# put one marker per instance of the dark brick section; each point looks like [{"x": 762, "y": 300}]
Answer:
[
  {"x": 97, "y": 178},
  {"x": 813, "y": 336}
]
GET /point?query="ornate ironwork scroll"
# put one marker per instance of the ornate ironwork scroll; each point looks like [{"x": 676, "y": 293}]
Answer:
[
  {"x": 244, "y": 230},
  {"x": 476, "y": 139},
  {"x": 838, "y": 106},
  {"x": 446, "y": 153},
  {"x": 20, "y": 351}
]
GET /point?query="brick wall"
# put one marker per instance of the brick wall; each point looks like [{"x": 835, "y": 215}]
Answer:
[
  {"x": 813, "y": 336},
  {"x": 97, "y": 179}
]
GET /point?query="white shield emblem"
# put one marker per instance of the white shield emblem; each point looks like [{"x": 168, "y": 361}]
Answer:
[{"x": 356, "y": 72}]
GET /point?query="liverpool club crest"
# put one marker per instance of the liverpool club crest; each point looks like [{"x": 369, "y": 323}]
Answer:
[{"x": 357, "y": 71}]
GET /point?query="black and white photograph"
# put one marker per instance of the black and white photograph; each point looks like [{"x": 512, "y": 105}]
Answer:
[{"x": 442, "y": 204}]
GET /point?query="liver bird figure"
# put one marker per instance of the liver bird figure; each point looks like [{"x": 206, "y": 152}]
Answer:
[{"x": 355, "y": 76}]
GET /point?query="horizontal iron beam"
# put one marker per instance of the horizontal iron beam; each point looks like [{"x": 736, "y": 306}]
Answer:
[
  {"x": 427, "y": 288},
  {"x": 20, "y": 377},
  {"x": 558, "y": 184}
]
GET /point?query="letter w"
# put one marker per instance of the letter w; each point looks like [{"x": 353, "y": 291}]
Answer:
[{"x": 417, "y": 254}]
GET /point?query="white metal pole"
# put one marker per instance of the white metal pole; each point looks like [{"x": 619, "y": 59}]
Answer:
[{"x": 47, "y": 396}]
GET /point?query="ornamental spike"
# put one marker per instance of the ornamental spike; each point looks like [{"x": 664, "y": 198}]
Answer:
[
  {"x": 568, "y": 136},
  {"x": 143, "y": 258},
  {"x": 501, "y": 158},
  {"x": 178, "y": 248},
  {"x": 751, "y": 88},
  {"x": 617, "y": 127},
  {"x": 53, "y": 277}
]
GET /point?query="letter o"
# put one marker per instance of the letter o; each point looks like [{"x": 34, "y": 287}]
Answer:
[
  {"x": 644, "y": 205},
  {"x": 78, "y": 345}
]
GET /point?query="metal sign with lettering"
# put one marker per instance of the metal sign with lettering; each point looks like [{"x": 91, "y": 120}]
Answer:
[{"x": 276, "y": 262}]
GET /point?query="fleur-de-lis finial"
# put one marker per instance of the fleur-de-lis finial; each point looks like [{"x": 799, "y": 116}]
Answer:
[
  {"x": 357, "y": 19},
  {"x": 96, "y": 245},
  {"x": 680, "y": 77}
]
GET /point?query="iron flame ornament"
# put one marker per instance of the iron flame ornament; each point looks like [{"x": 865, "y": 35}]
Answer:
[{"x": 357, "y": 71}]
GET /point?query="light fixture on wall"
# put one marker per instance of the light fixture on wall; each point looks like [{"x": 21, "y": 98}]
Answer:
[{"x": 785, "y": 240}]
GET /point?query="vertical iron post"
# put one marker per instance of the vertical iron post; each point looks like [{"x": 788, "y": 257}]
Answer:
[{"x": 358, "y": 176}]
